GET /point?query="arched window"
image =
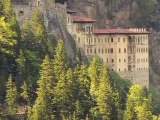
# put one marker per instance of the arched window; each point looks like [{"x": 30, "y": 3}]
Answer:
[{"x": 21, "y": 13}]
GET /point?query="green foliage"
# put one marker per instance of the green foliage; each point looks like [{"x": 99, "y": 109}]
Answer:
[
  {"x": 33, "y": 38},
  {"x": 42, "y": 109},
  {"x": 11, "y": 96},
  {"x": 93, "y": 72},
  {"x": 144, "y": 111},
  {"x": 7, "y": 35},
  {"x": 104, "y": 95},
  {"x": 79, "y": 110},
  {"x": 60, "y": 60},
  {"x": 137, "y": 105},
  {"x": 65, "y": 91},
  {"x": 25, "y": 92},
  {"x": 84, "y": 96}
]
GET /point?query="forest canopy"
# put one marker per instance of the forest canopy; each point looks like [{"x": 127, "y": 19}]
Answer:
[{"x": 39, "y": 81}]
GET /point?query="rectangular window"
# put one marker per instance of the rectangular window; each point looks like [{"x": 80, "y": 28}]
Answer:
[
  {"x": 94, "y": 40},
  {"x": 95, "y": 51},
  {"x": 111, "y": 50},
  {"x": 119, "y": 50},
  {"x": 91, "y": 51},
  {"x": 119, "y": 60},
  {"x": 87, "y": 51},
  {"x": 91, "y": 40},
  {"x": 106, "y": 50},
  {"x": 118, "y": 39},
  {"x": 99, "y": 40},
  {"x": 102, "y": 51},
  {"x": 112, "y": 60},
  {"x": 111, "y": 39},
  {"x": 124, "y": 50},
  {"x": 124, "y": 40}
]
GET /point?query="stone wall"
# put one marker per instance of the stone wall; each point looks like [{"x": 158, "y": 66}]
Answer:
[{"x": 55, "y": 20}]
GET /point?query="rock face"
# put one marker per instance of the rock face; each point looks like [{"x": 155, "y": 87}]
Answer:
[
  {"x": 155, "y": 58},
  {"x": 54, "y": 20},
  {"x": 116, "y": 15}
]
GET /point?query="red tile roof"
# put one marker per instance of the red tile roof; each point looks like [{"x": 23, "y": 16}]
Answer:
[
  {"x": 121, "y": 31},
  {"x": 79, "y": 19}
]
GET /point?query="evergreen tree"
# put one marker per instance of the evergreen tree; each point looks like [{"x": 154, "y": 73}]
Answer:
[
  {"x": 10, "y": 18},
  {"x": 144, "y": 111},
  {"x": 93, "y": 72},
  {"x": 117, "y": 113},
  {"x": 36, "y": 38},
  {"x": 84, "y": 96},
  {"x": 64, "y": 94},
  {"x": 134, "y": 99},
  {"x": 79, "y": 110},
  {"x": 104, "y": 95},
  {"x": 25, "y": 93},
  {"x": 39, "y": 32},
  {"x": 42, "y": 109},
  {"x": 11, "y": 96},
  {"x": 7, "y": 35},
  {"x": 60, "y": 60}
]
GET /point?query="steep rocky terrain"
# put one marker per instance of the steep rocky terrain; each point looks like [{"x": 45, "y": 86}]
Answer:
[{"x": 119, "y": 13}]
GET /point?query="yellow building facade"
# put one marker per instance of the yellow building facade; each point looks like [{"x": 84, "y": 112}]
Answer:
[{"x": 125, "y": 51}]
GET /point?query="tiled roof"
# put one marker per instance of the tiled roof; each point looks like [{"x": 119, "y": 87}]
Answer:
[
  {"x": 79, "y": 19},
  {"x": 120, "y": 31}
]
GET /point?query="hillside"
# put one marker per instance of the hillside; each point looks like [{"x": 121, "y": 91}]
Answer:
[{"x": 43, "y": 77}]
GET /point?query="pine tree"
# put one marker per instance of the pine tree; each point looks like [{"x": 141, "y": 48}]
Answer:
[
  {"x": 117, "y": 113},
  {"x": 64, "y": 93},
  {"x": 25, "y": 93},
  {"x": 7, "y": 35},
  {"x": 93, "y": 72},
  {"x": 104, "y": 95},
  {"x": 84, "y": 89},
  {"x": 7, "y": 9},
  {"x": 34, "y": 38},
  {"x": 79, "y": 110},
  {"x": 134, "y": 100},
  {"x": 11, "y": 96},
  {"x": 144, "y": 111},
  {"x": 10, "y": 18},
  {"x": 42, "y": 109},
  {"x": 39, "y": 32},
  {"x": 60, "y": 60}
]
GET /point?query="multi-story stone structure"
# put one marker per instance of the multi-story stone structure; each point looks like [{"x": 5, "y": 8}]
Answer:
[{"x": 123, "y": 50}]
